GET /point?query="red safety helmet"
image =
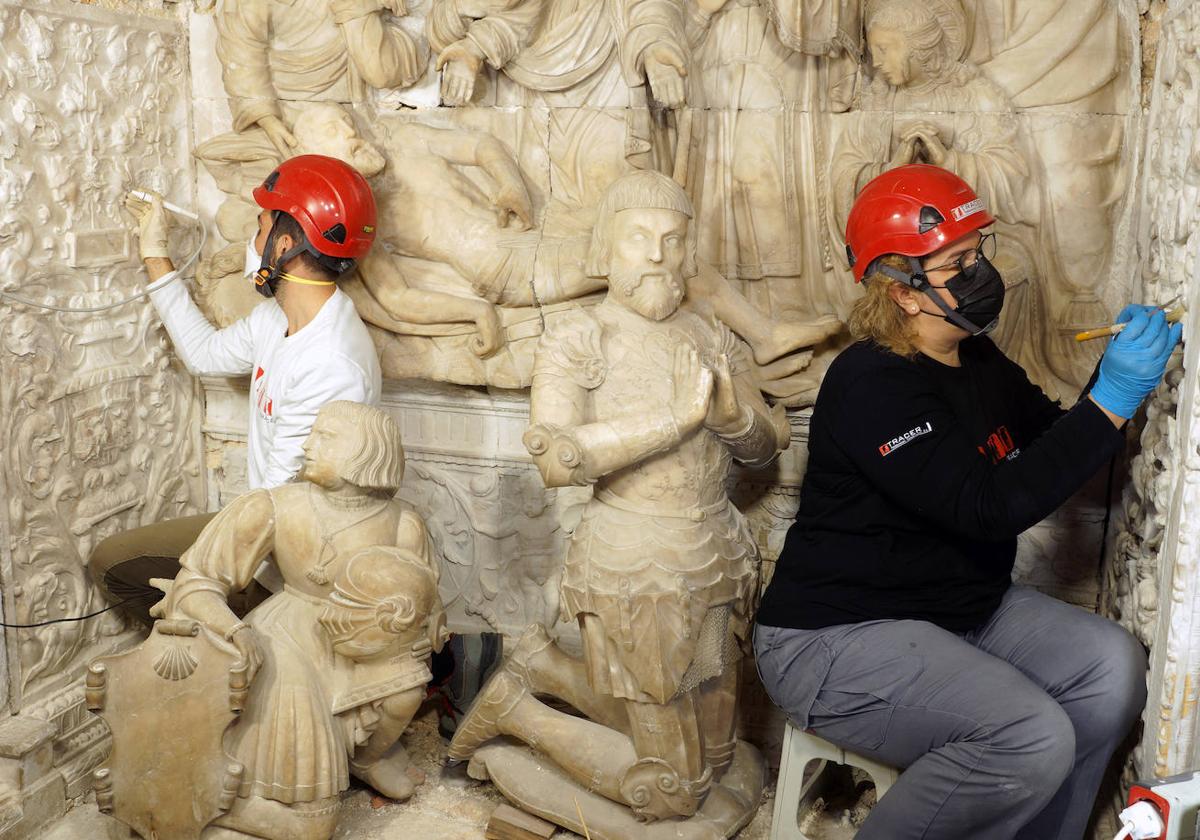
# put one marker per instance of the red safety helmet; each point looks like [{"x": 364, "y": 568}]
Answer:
[
  {"x": 329, "y": 198},
  {"x": 911, "y": 210}
]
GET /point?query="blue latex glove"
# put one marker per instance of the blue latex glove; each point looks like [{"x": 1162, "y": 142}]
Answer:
[
  {"x": 1126, "y": 314},
  {"x": 1135, "y": 360}
]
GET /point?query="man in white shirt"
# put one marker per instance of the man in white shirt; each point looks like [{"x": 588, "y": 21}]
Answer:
[{"x": 302, "y": 347}]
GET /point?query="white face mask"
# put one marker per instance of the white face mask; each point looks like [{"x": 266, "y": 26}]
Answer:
[{"x": 253, "y": 258}]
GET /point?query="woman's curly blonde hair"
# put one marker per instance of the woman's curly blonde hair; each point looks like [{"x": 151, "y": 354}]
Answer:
[{"x": 876, "y": 317}]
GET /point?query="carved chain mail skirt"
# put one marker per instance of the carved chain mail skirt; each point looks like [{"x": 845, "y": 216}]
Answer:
[{"x": 663, "y": 601}]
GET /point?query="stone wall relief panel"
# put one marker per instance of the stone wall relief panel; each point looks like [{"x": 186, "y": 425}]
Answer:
[
  {"x": 1151, "y": 584},
  {"x": 493, "y": 197},
  {"x": 100, "y": 429},
  {"x": 100, "y": 424},
  {"x": 527, "y": 110},
  {"x": 577, "y": 93}
]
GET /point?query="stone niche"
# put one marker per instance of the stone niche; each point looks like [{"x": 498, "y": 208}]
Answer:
[{"x": 101, "y": 424}]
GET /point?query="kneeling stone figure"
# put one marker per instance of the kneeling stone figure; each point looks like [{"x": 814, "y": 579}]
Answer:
[
  {"x": 326, "y": 673},
  {"x": 650, "y": 404}
]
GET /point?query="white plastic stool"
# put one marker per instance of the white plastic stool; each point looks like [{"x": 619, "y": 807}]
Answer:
[{"x": 791, "y": 792}]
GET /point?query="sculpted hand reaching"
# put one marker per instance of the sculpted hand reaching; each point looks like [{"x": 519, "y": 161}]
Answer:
[
  {"x": 665, "y": 69},
  {"x": 279, "y": 134},
  {"x": 460, "y": 64},
  {"x": 249, "y": 648},
  {"x": 513, "y": 207},
  {"x": 490, "y": 332}
]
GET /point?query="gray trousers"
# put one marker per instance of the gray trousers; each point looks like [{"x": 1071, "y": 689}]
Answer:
[{"x": 1005, "y": 730}]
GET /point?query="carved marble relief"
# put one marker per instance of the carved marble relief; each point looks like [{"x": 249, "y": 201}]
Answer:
[
  {"x": 100, "y": 425},
  {"x": 1152, "y": 581},
  {"x": 490, "y": 199},
  {"x": 770, "y": 112},
  {"x": 100, "y": 429}
]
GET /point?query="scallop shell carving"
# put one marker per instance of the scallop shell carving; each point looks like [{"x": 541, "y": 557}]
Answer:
[{"x": 175, "y": 663}]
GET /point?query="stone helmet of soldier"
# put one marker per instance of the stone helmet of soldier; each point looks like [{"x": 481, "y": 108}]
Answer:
[{"x": 384, "y": 598}]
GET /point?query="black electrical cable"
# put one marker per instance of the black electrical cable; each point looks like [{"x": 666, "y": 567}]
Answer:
[{"x": 84, "y": 617}]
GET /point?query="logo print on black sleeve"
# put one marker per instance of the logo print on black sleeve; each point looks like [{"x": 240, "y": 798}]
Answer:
[{"x": 909, "y": 436}]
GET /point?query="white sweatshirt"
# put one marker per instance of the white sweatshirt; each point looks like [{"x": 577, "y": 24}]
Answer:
[{"x": 331, "y": 358}]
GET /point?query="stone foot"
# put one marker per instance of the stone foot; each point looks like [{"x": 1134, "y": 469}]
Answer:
[
  {"x": 538, "y": 786},
  {"x": 392, "y": 776},
  {"x": 790, "y": 336},
  {"x": 265, "y": 818},
  {"x": 482, "y": 721}
]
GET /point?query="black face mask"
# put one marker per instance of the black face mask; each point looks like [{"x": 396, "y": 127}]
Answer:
[{"x": 979, "y": 290}]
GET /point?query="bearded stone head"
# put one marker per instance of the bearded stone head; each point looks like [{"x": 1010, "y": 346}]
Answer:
[
  {"x": 327, "y": 129},
  {"x": 644, "y": 244}
]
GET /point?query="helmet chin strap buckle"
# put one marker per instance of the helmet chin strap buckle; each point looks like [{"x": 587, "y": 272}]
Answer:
[{"x": 914, "y": 278}]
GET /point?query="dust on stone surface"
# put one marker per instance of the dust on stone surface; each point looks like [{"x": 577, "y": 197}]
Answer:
[{"x": 448, "y": 806}]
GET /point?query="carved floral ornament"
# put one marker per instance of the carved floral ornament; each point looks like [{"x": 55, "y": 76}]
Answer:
[{"x": 98, "y": 432}]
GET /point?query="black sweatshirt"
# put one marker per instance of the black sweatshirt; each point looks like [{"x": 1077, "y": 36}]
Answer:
[{"x": 920, "y": 477}]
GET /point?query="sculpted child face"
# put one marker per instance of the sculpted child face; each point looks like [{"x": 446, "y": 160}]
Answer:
[{"x": 648, "y": 250}]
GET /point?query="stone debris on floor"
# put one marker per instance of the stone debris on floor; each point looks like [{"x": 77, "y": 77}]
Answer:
[{"x": 448, "y": 806}]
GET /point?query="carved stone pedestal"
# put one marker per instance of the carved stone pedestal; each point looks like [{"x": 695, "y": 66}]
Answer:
[
  {"x": 32, "y": 790},
  {"x": 517, "y": 771}
]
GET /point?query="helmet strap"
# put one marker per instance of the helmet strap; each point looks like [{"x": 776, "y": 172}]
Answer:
[
  {"x": 304, "y": 281},
  {"x": 916, "y": 279},
  {"x": 266, "y": 279},
  {"x": 269, "y": 275}
]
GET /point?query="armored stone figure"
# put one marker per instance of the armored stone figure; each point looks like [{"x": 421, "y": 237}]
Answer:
[{"x": 650, "y": 404}]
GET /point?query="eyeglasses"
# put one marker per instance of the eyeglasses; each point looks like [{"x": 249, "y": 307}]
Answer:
[{"x": 968, "y": 259}]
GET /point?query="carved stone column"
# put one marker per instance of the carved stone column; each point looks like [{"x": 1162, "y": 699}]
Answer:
[{"x": 1153, "y": 583}]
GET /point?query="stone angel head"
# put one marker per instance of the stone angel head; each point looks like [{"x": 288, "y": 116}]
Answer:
[{"x": 915, "y": 41}]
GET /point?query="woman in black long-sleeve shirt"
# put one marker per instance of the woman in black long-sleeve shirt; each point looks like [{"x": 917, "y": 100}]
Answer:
[{"x": 891, "y": 626}]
